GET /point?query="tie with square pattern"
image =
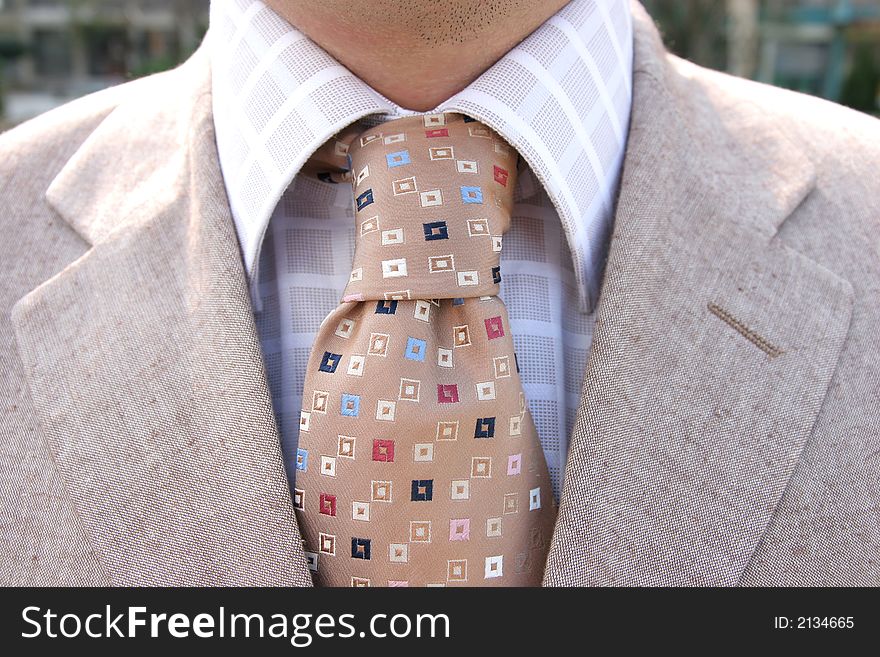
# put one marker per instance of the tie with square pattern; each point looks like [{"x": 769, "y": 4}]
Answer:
[{"x": 418, "y": 462}]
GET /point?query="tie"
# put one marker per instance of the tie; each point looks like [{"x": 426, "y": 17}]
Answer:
[{"x": 418, "y": 461}]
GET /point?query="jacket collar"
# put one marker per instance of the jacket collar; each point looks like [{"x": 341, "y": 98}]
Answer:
[{"x": 146, "y": 373}]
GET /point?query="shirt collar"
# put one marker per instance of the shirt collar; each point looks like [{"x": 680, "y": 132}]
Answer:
[{"x": 561, "y": 97}]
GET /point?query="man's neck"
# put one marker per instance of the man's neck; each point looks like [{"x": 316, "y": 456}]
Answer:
[{"x": 417, "y": 53}]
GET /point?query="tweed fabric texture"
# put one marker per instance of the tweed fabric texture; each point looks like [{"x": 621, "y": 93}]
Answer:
[
  {"x": 137, "y": 442},
  {"x": 166, "y": 472}
]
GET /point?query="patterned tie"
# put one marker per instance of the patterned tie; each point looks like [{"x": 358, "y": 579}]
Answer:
[{"x": 418, "y": 462}]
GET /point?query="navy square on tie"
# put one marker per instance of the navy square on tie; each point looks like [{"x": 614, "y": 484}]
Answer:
[
  {"x": 436, "y": 230},
  {"x": 485, "y": 428},
  {"x": 386, "y": 307},
  {"x": 364, "y": 199},
  {"x": 330, "y": 362},
  {"x": 422, "y": 490},
  {"x": 360, "y": 548}
]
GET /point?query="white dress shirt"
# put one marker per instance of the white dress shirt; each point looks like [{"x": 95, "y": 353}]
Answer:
[{"x": 561, "y": 97}]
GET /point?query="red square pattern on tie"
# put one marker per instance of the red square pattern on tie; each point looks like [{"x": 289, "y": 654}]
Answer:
[
  {"x": 383, "y": 450},
  {"x": 327, "y": 504},
  {"x": 447, "y": 393},
  {"x": 494, "y": 328}
]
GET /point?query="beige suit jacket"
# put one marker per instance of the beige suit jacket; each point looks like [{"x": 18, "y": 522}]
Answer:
[{"x": 729, "y": 430}]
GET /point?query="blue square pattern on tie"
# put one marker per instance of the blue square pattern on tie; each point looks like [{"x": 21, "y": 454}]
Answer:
[
  {"x": 436, "y": 230},
  {"x": 422, "y": 490},
  {"x": 415, "y": 349},
  {"x": 360, "y": 548},
  {"x": 485, "y": 427},
  {"x": 302, "y": 459},
  {"x": 471, "y": 194},
  {"x": 350, "y": 405},
  {"x": 329, "y": 362},
  {"x": 386, "y": 307},
  {"x": 397, "y": 159},
  {"x": 364, "y": 199}
]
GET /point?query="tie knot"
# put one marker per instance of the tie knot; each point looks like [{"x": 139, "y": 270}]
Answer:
[{"x": 433, "y": 196}]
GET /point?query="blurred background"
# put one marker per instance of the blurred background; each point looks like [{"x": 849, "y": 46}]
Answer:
[{"x": 52, "y": 51}]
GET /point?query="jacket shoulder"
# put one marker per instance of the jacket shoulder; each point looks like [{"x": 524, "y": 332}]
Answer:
[
  {"x": 38, "y": 243},
  {"x": 52, "y": 137},
  {"x": 831, "y": 134}
]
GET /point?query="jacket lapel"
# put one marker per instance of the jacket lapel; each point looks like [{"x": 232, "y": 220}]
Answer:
[
  {"x": 713, "y": 348},
  {"x": 143, "y": 359}
]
